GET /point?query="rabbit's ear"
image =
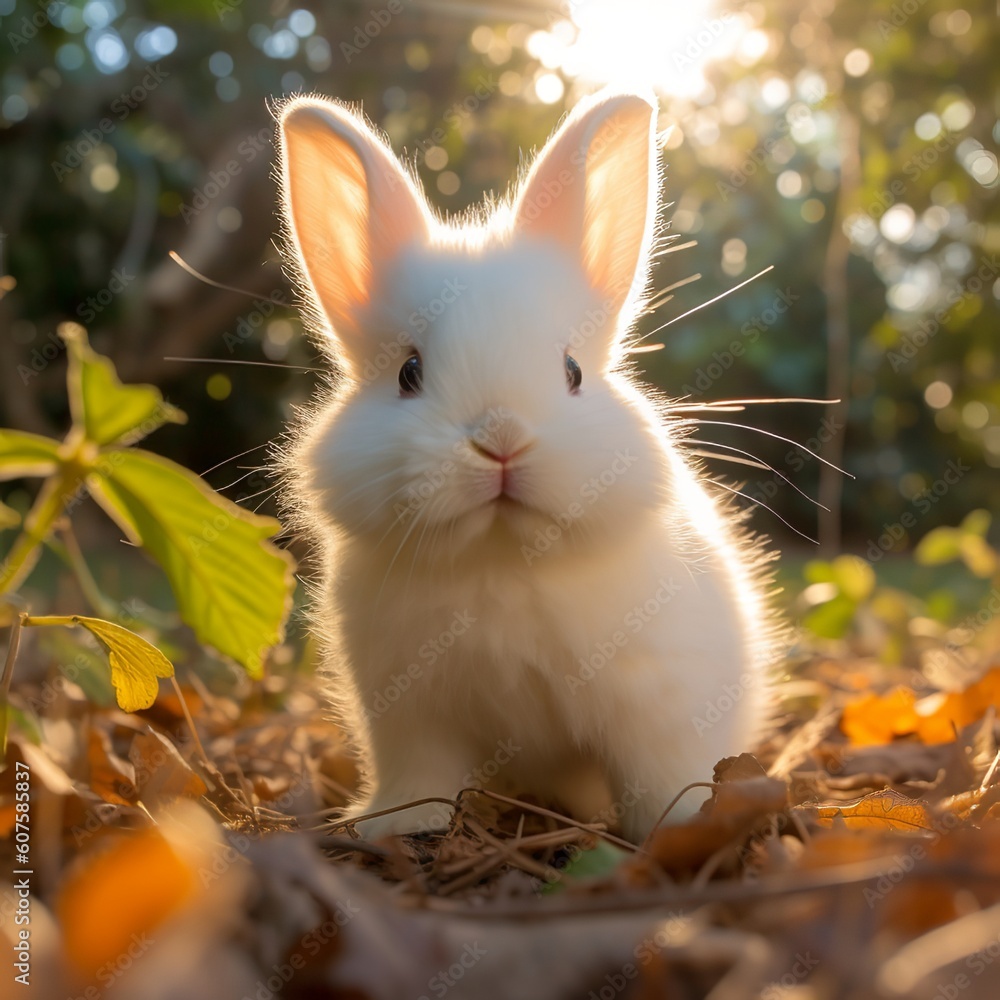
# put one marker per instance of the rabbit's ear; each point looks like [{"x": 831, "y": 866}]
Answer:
[
  {"x": 349, "y": 205},
  {"x": 593, "y": 190}
]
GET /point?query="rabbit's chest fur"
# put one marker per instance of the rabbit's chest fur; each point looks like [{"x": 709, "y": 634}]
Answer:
[{"x": 503, "y": 655}]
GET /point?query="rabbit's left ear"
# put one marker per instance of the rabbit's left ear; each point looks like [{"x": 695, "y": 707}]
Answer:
[{"x": 593, "y": 190}]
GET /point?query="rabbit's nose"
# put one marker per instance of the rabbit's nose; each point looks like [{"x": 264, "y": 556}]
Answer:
[
  {"x": 498, "y": 454},
  {"x": 500, "y": 436}
]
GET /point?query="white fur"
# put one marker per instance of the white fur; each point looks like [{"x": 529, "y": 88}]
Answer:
[{"x": 641, "y": 559}]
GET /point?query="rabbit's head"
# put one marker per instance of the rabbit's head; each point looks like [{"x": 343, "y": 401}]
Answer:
[{"x": 481, "y": 390}]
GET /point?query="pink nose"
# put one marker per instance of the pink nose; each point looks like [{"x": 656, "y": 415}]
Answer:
[{"x": 498, "y": 454}]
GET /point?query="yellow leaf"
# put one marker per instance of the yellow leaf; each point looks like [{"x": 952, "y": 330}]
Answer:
[
  {"x": 135, "y": 663},
  {"x": 979, "y": 555},
  {"x": 883, "y": 810}
]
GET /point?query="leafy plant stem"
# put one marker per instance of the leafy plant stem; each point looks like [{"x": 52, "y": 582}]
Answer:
[
  {"x": 8, "y": 672},
  {"x": 38, "y": 525},
  {"x": 190, "y": 720},
  {"x": 88, "y": 585}
]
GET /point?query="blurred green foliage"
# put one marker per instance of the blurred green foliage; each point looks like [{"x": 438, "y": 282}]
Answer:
[{"x": 851, "y": 145}]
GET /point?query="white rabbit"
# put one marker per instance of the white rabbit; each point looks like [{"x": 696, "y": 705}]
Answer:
[{"x": 525, "y": 579}]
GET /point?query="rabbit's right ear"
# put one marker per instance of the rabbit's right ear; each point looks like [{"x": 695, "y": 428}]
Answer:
[{"x": 349, "y": 204}]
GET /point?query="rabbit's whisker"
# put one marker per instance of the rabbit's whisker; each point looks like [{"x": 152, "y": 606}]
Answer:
[
  {"x": 695, "y": 421},
  {"x": 727, "y": 404},
  {"x": 181, "y": 262},
  {"x": 760, "y": 503},
  {"x": 238, "y": 361},
  {"x": 233, "y": 458},
  {"x": 235, "y": 482},
  {"x": 754, "y": 460},
  {"x": 703, "y": 305}
]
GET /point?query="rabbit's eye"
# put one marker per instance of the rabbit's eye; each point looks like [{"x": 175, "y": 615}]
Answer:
[
  {"x": 574, "y": 375},
  {"x": 411, "y": 376}
]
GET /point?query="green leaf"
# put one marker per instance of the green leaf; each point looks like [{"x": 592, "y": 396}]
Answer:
[
  {"x": 818, "y": 571},
  {"x": 598, "y": 862},
  {"x": 939, "y": 546},
  {"x": 831, "y": 620},
  {"x": 107, "y": 410},
  {"x": 977, "y": 522},
  {"x": 232, "y": 586},
  {"x": 854, "y": 577},
  {"x": 942, "y": 606},
  {"x": 23, "y": 454}
]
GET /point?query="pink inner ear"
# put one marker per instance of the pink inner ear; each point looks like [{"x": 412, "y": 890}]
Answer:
[
  {"x": 328, "y": 202},
  {"x": 590, "y": 191},
  {"x": 618, "y": 225},
  {"x": 351, "y": 205}
]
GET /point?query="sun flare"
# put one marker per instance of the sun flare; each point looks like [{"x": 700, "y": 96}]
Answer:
[{"x": 643, "y": 43}]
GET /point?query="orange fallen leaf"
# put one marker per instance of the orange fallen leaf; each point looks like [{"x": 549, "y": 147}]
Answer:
[
  {"x": 115, "y": 898},
  {"x": 883, "y": 810},
  {"x": 873, "y": 719}
]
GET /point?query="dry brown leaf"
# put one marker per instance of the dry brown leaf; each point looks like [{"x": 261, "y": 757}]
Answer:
[
  {"x": 739, "y": 768},
  {"x": 112, "y": 778},
  {"x": 161, "y": 773},
  {"x": 736, "y": 808}
]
